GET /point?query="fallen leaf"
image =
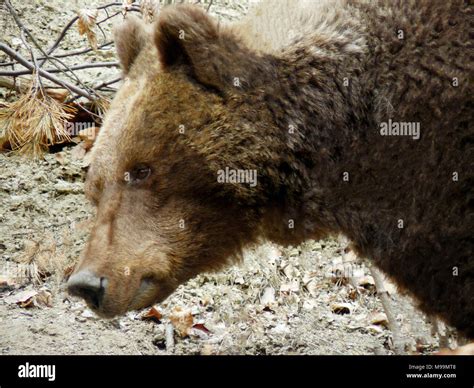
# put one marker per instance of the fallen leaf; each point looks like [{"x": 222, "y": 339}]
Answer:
[
  {"x": 207, "y": 350},
  {"x": 7, "y": 284},
  {"x": 206, "y": 301},
  {"x": 274, "y": 255},
  {"x": 280, "y": 329},
  {"x": 366, "y": 282},
  {"x": 341, "y": 308},
  {"x": 79, "y": 151},
  {"x": 43, "y": 298},
  {"x": 268, "y": 296},
  {"x": 152, "y": 315},
  {"x": 58, "y": 94},
  {"x": 338, "y": 273},
  {"x": 290, "y": 271},
  {"x": 60, "y": 157},
  {"x": 313, "y": 287},
  {"x": 379, "y": 319},
  {"x": 293, "y": 286},
  {"x": 182, "y": 321},
  {"x": 353, "y": 294},
  {"x": 21, "y": 297},
  {"x": 88, "y": 314},
  {"x": 201, "y": 327},
  {"x": 88, "y": 135},
  {"x": 374, "y": 329},
  {"x": 309, "y": 304},
  {"x": 68, "y": 271}
]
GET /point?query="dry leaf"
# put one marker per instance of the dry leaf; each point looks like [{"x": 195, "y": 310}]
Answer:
[
  {"x": 68, "y": 271},
  {"x": 274, "y": 255},
  {"x": 6, "y": 284},
  {"x": 78, "y": 152},
  {"x": 290, "y": 271},
  {"x": 200, "y": 331},
  {"x": 86, "y": 23},
  {"x": 200, "y": 326},
  {"x": 88, "y": 136},
  {"x": 182, "y": 321},
  {"x": 60, "y": 158},
  {"x": 152, "y": 315},
  {"x": 366, "y": 282},
  {"x": 23, "y": 298},
  {"x": 268, "y": 296},
  {"x": 293, "y": 286},
  {"x": 309, "y": 304},
  {"x": 378, "y": 319},
  {"x": 43, "y": 298},
  {"x": 375, "y": 329},
  {"x": 58, "y": 94},
  {"x": 207, "y": 350},
  {"x": 341, "y": 308},
  {"x": 352, "y": 294},
  {"x": 313, "y": 287}
]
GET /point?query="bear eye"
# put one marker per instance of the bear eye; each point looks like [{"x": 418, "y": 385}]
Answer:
[{"x": 137, "y": 174}]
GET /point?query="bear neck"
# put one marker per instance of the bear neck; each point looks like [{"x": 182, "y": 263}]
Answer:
[{"x": 321, "y": 108}]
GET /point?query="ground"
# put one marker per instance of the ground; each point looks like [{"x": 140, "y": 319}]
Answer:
[{"x": 313, "y": 299}]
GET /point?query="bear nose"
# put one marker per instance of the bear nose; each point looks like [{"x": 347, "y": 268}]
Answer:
[{"x": 89, "y": 286}]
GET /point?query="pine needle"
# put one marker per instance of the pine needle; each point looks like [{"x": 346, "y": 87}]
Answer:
[{"x": 34, "y": 122}]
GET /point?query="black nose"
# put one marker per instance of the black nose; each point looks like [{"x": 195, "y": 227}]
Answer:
[{"x": 89, "y": 286}]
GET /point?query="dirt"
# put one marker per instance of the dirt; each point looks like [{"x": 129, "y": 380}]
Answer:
[{"x": 292, "y": 300}]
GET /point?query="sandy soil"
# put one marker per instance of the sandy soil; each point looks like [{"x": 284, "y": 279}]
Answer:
[{"x": 279, "y": 301}]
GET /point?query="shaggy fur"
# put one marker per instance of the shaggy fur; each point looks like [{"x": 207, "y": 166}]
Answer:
[{"x": 298, "y": 92}]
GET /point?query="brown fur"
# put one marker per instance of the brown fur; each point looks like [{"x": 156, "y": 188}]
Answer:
[{"x": 292, "y": 118}]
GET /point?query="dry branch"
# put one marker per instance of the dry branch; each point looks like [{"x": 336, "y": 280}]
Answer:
[
  {"x": 21, "y": 60},
  {"x": 398, "y": 341},
  {"x": 16, "y": 73}
]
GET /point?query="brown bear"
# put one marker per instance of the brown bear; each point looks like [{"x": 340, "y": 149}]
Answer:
[{"x": 304, "y": 120}]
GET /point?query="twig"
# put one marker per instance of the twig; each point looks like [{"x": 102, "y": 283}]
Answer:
[
  {"x": 71, "y": 23},
  {"x": 107, "y": 83},
  {"x": 169, "y": 337},
  {"x": 22, "y": 61},
  {"x": 59, "y": 39},
  {"x": 64, "y": 55},
  {"x": 38, "y": 84},
  {"x": 22, "y": 27},
  {"x": 73, "y": 76},
  {"x": 16, "y": 73},
  {"x": 398, "y": 342},
  {"x": 209, "y": 6},
  {"x": 98, "y": 87}
]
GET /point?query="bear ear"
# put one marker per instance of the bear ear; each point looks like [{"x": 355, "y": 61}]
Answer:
[
  {"x": 130, "y": 37},
  {"x": 187, "y": 36}
]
